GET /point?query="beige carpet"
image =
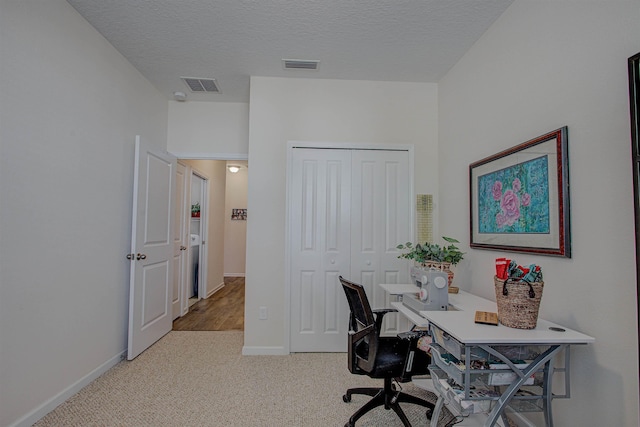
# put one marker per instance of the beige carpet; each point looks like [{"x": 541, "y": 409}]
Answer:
[{"x": 201, "y": 379}]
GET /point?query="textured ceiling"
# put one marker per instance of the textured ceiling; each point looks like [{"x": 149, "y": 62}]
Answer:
[{"x": 231, "y": 40}]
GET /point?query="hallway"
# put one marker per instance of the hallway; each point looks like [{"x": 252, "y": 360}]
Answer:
[{"x": 223, "y": 311}]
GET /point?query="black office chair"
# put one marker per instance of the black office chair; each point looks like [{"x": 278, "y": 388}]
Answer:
[{"x": 391, "y": 358}]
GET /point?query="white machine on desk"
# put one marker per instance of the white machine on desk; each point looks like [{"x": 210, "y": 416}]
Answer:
[{"x": 433, "y": 292}]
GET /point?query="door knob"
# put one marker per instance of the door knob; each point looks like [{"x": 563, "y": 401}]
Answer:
[
  {"x": 368, "y": 262},
  {"x": 130, "y": 256},
  {"x": 183, "y": 248},
  {"x": 141, "y": 256}
]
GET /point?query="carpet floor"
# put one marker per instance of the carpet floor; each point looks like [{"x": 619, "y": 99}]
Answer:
[{"x": 202, "y": 379}]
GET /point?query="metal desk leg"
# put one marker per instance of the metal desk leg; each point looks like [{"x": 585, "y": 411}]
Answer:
[
  {"x": 435, "y": 415},
  {"x": 547, "y": 393},
  {"x": 504, "y": 400},
  {"x": 505, "y": 420}
]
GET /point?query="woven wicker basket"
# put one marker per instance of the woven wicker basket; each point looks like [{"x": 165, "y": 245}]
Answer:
[{"x": 518, "y": 302}]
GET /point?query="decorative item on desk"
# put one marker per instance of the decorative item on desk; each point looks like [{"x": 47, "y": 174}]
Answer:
[
  {"x": 518, "y": 293},
  {"x": 432, "y": 255},
  {"x": 486, "y": 318}
]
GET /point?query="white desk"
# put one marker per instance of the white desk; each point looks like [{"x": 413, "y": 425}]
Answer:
[
  {"x": 462, "y": 301},
  {"x": 399, "y": 288},
  {"x": 459, "y": 324}
]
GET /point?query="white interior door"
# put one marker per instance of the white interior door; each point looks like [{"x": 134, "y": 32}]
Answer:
[
  {"x": 349, "y": 209},
  {"x": 180, "y": 242},
  {"x": 319, "y": 230},
  {"x": 151, "y": 275}
]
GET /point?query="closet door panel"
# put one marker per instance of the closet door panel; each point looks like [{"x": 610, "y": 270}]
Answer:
[
  {"x": 319, "y": 230},
  {"x": 381, "y": 201}
]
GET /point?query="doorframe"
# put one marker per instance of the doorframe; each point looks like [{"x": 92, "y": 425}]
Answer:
[
  {"x": 184, "y": 220},
  {"x": 634, "y": 110},
  {"x": 291, "y": 145},
  {"x": 204, "y": 229},
  {"x": 203, "y": 270}
]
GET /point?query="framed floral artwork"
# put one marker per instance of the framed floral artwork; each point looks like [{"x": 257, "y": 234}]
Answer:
[{"x": 519, "y": 198}]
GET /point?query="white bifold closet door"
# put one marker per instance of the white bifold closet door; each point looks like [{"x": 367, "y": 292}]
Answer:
[{"x": 349, "y": 209}]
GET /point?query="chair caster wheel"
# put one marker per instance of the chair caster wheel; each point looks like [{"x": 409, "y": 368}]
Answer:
[
  {"x": 429, "y": 413},
  {"x": 346, "y": 398}
]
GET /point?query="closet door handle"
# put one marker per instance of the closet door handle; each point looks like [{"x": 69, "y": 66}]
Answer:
[
  {"x": 141, "y": 256},
  {"x": 183, "y": 248}
]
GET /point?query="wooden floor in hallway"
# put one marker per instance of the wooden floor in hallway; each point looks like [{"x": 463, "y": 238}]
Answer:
[{"x": 223, "y": 311}]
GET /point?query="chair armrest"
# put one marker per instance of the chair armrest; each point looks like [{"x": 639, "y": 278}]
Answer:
[{"x": 379, "y": 313}]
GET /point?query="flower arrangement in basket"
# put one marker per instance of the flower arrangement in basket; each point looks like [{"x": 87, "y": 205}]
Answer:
[{"x": 518, "y": 293}]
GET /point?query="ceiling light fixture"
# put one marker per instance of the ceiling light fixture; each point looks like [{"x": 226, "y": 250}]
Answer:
[{"x": 233, "y": 168}]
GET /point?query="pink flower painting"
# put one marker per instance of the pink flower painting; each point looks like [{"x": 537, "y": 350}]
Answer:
[
  {"x": 510, "y": 202},
  {"x": 515, "y": 199}
]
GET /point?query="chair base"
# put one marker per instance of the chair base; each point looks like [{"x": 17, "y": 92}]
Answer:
[{"x": 388, "y": 397}]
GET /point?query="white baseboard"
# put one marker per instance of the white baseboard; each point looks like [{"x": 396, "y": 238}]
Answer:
[
  {"x": 216, "y": 289},
  {"x": 51, "y": 404},
  {"x": 263, "y": 351}
]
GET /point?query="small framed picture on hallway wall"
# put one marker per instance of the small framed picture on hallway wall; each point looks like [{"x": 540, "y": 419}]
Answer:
[{"x": 239, "y": 214}]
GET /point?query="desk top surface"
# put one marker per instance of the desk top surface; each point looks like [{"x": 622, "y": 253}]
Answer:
[
  {"x": 399, "y": 288},
  {"x": 460, "y": 323}
]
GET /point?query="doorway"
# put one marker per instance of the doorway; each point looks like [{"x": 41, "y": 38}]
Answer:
[{"x": 213, "y": 238}]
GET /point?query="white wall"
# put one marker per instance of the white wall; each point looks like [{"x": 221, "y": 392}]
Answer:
[
  {"x": 71, "y": 107},
  {"x": 543, "y": 65},
  {"x": 214, "y": 171},
  {"x": 235, "y": 231},
  {"x": 338, "y": 111},
  {"x": 208, "y": 129}
]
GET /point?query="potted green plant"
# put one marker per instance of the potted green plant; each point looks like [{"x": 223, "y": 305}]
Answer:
[{"x": 432, "y": 255}]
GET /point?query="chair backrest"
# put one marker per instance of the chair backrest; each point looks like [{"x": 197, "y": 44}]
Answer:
[{"x": 363, "y": 333}]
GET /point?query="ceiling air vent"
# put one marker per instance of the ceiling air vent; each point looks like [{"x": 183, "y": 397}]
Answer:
[
  {"x": 197, "y": 84},
  {"x": 300, "y": 64}
]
